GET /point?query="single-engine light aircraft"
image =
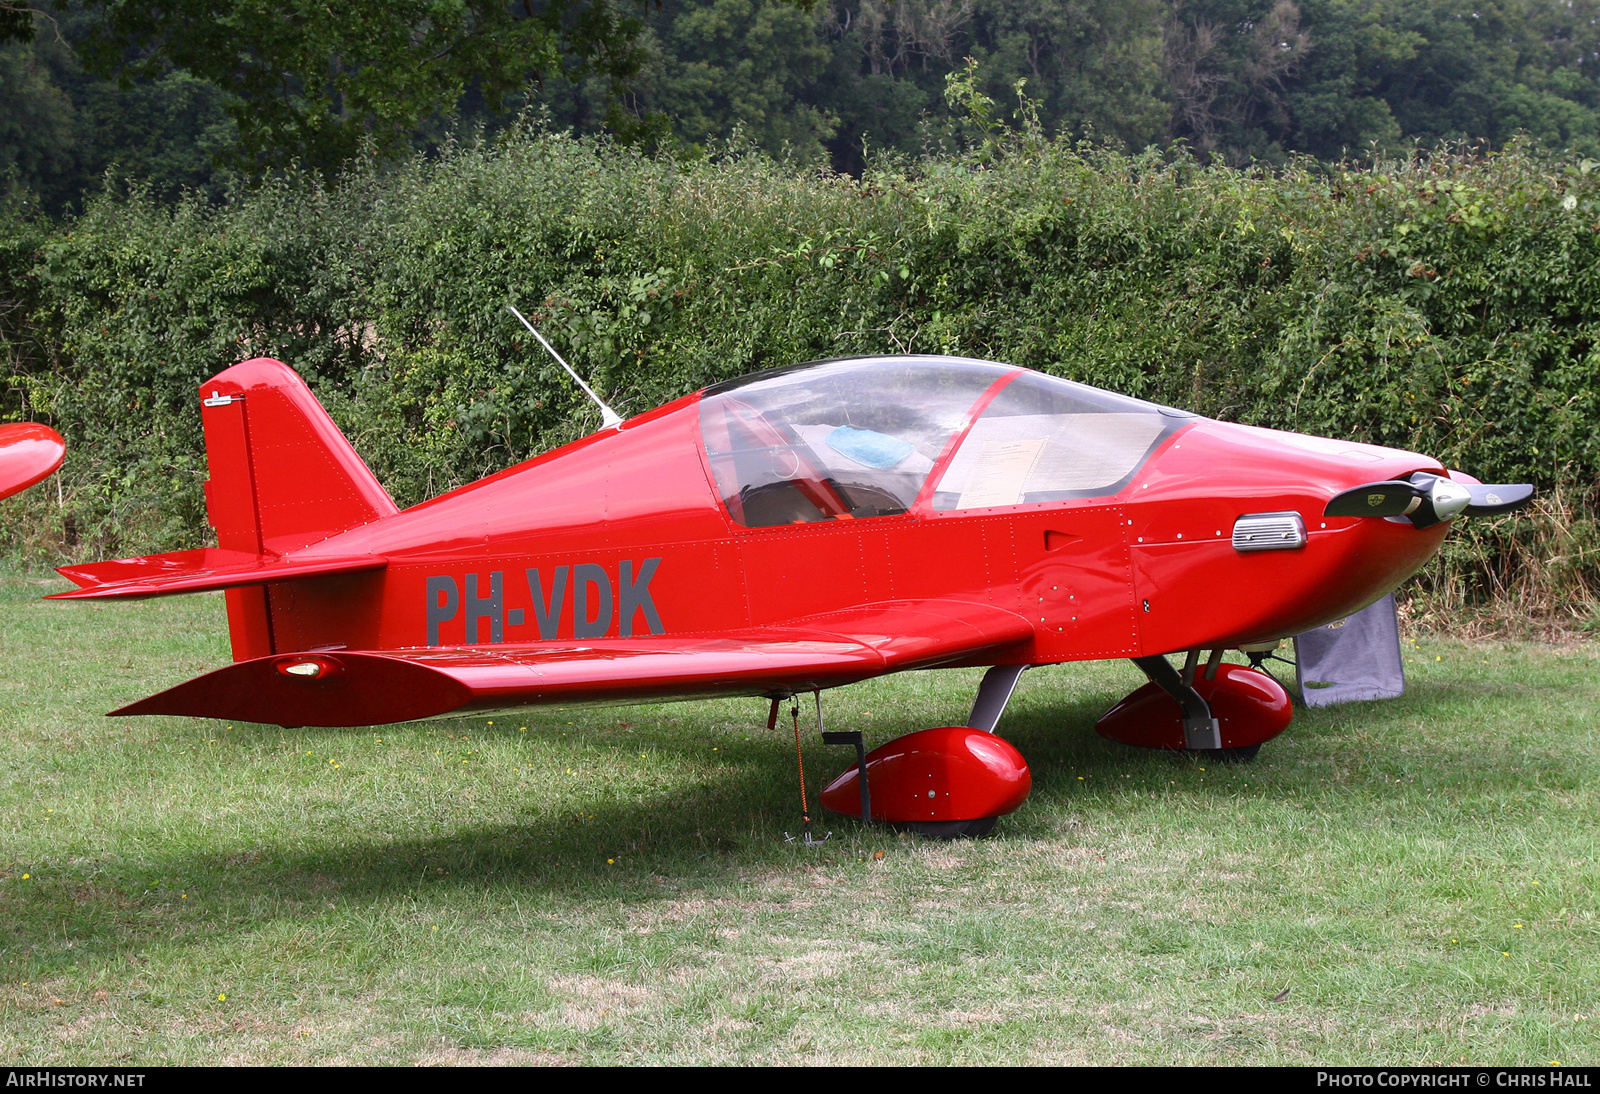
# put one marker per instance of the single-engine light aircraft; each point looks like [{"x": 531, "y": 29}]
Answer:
[{"x": 792, "y": 531}]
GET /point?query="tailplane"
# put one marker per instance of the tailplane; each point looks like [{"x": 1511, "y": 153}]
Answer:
[{"x": 282, "y": 477}]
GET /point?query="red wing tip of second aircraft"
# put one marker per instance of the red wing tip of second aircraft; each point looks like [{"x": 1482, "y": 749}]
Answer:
[{"x": 30, "y": 452}]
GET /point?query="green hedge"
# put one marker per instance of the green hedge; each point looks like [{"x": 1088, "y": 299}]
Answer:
[{"x": 1449, "y": 305}]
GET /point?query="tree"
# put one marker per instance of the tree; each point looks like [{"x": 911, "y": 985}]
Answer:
[
  {"x": 1095, "y": 65},
  {"x": 1228, "y": 65},
  {"x": 745, "y": 65},
  {"x": 36, "y": 129},
  {"x": 64, "y": 130},
  {"x": 315, "y": 82},
  {"x": 16, "y": 21}
]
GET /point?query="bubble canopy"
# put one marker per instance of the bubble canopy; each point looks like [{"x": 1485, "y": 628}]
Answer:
[{"x": 864, "y": 437}]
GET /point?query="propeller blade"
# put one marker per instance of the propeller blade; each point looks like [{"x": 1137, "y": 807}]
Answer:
[
  {"x": 1375, "y": 499},
  {"x": 1429, "y": 499},
  {"x": 1497, "y": 497}
]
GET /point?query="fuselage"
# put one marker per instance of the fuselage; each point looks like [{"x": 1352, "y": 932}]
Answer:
[{"x": 632, "y": 532}]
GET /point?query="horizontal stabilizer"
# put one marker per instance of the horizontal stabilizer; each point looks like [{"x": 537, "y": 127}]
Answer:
[
  {"x": 200, "y": 570},
  {"x": 357, "y": 688}
]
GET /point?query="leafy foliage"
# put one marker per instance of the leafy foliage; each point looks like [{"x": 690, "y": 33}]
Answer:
[
  {"x": 204, "y": 90},
  {"x": 65, "y": 131},
  {"x": 16, "y": 21},
  {"x": 1244, "y": 80},
  {"x": 313, "y": 82}
]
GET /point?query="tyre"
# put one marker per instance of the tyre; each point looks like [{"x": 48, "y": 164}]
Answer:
[{"x": 962, "y": 829}]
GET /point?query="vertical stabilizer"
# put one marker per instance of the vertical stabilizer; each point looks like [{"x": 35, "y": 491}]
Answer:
[{"x": 282, "y": 477}]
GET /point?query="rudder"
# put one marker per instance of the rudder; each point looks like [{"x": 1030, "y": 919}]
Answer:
[{"x": 282, "y": 476}]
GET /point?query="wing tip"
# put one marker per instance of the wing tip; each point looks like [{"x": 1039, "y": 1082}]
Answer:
[{"x": 364, "y": 689}]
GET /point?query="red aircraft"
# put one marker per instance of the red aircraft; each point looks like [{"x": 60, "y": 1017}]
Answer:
[
  {"x": 29, "y": 453},
  {"x": 793, "y": 531}
]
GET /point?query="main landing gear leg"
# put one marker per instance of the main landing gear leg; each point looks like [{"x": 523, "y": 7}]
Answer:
[
  {"x": 1222, "y": 712},
  {"x": 993, "y": 694},
  {"x": 1200, "y": 729}
]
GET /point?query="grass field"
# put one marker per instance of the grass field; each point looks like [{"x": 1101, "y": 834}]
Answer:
[{"x": 611, "y": 885}]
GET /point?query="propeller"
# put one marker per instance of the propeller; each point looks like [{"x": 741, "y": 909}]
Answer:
[{"x": 1426, "y": 499}]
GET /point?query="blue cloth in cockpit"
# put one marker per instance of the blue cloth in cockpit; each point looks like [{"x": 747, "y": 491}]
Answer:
[{"x": 869, "y": 448}]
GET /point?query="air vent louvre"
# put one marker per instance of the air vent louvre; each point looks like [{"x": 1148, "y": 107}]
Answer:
[{"x": 1269, "y": 532}]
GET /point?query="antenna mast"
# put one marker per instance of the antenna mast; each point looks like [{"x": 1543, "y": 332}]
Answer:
[{"x": 608, "y": 417}]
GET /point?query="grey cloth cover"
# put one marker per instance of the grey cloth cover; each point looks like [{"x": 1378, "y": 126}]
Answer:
[{"x": 1351, "y": 659}]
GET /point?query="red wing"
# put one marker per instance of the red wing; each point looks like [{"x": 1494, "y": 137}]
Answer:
[{"x": 345, "y": 688}]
